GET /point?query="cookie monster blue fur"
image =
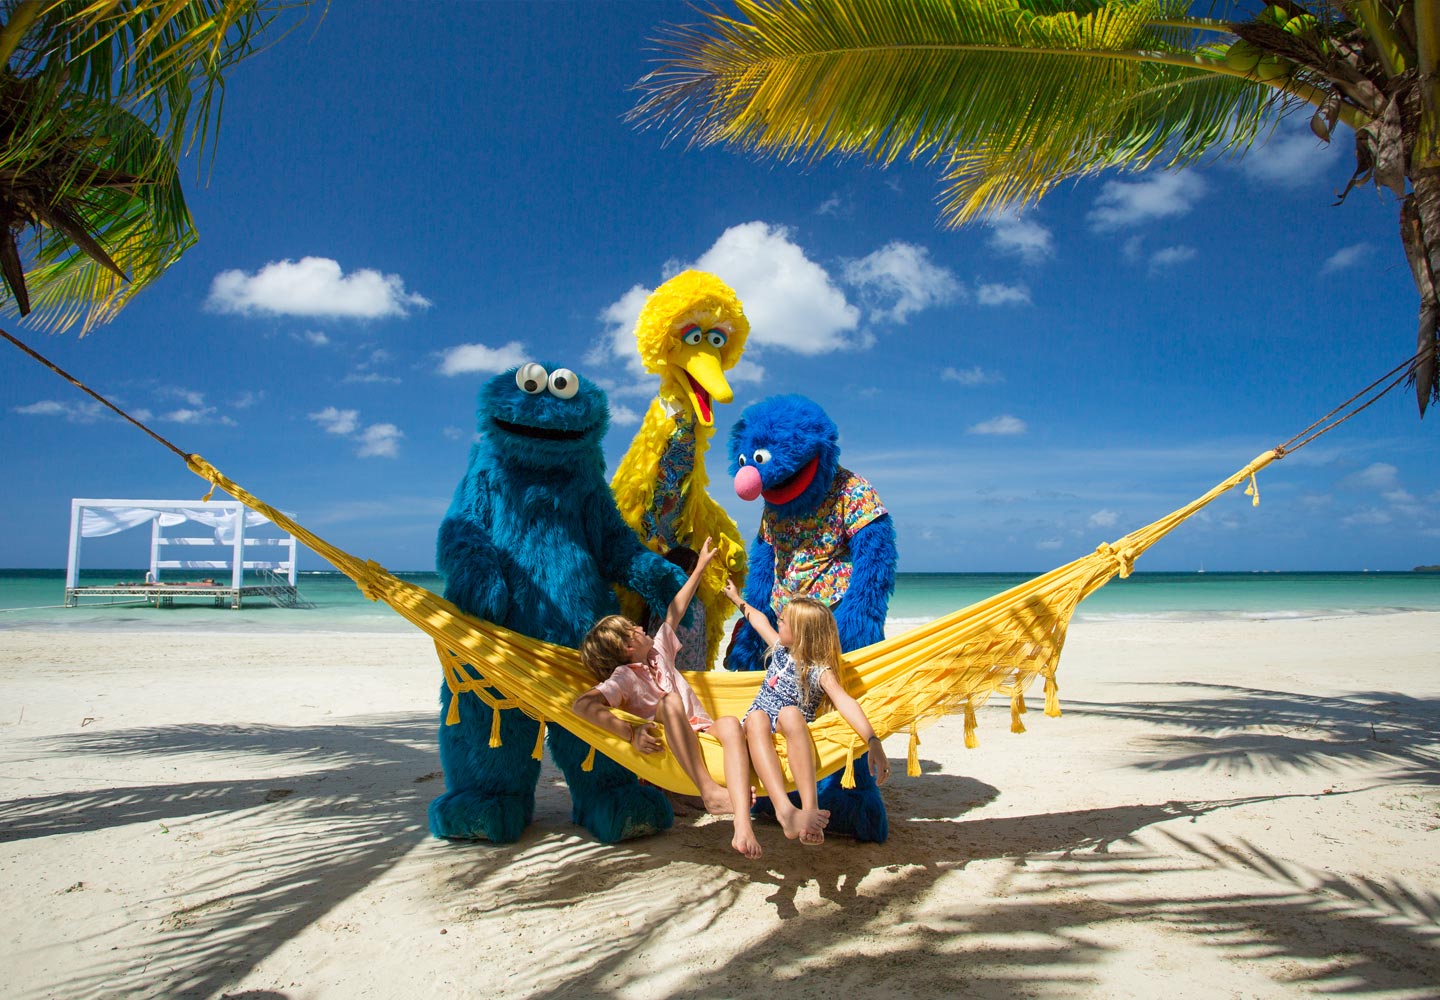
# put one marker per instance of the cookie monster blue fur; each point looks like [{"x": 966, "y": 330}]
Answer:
[
  {"x": 532, "y": 541},
  {"x": 823, "y": 534}
]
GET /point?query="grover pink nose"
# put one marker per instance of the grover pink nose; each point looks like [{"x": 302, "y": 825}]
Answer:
[{"x": 747, "y": 483}]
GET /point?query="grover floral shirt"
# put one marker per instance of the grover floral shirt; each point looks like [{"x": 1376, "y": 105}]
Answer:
[{"x": 812, "y": 553}]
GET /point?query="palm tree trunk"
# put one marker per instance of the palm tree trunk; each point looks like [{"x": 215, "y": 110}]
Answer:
[{"x": 1420, "y": 233}]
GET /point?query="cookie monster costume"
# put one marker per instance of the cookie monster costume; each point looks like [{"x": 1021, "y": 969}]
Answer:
[
  {"x": 823, "y": 534},
  {"x": 533, "y": 541}
]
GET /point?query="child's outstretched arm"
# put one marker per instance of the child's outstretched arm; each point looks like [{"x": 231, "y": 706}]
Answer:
[
  {"x": 851, "y": 711},
  {"x": 677, "y": 608},
  {"x": 592, "y": 707},
  {"x": 754, "y": 616}
]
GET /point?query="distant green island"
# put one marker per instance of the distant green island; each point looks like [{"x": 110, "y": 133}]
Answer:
[{"x": 1426, "y": 569}]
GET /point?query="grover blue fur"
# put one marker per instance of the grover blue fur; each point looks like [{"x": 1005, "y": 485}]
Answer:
[
  {"x": 787, "y": 439},
  {"x": 533, "y": 541}
]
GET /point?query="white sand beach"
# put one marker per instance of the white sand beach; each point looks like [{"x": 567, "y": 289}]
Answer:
[{"x": 1236, "y": 809}]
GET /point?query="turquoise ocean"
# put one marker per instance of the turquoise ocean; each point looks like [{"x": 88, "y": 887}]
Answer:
[{"x": 33, "y": 599}]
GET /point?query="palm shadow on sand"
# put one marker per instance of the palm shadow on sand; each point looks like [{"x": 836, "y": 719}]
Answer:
[{"x": 354, "y": 807}]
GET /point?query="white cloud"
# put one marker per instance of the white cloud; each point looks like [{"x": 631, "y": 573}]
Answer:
[
  {"x": 1379, "y": 477},
  {"x": 465, "y": 359},
  {"x": 618, "y": 339},
  {"x": 1291, "y": 155},
  {"x": 312, "y": 286},
  {"x": 971, "y": 376},
  {"x": 247, "y": 399},
  {"x": 189, "y": 415},
  {"x": 379, "y": 441},
  {"x": 1104, "y": 519},
  {"x": 315, "y": 337},
  {"x": 1049, "y": 544},
  {"x": 1367, "y": 517},
  {"x": 188, "y": 396},
  {"x": 1403, "y": 497},
  {"x": 1125, "y": 203},
  {"x": 370, "y": 378},
  {"x": 1003, "y": 424},
  {"x": 789, "y": 299},
  {"x": 623, "y": 416},
  {"x": 1345, "y": 257},
  {"x": 75, "y": 413},
  {"x": 836, "y": 206},
  {"x": 1016, "y": 234},
  {"x": 1170, "y": 256},
  {"x": 336, "y": 421},
  {"x": 901, "y": 274},
  {"x": 1002, "y": 295}
]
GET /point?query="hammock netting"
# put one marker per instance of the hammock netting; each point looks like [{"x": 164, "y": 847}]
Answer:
[{"x": 953, "y": 664}]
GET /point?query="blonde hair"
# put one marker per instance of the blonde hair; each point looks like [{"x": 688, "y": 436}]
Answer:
[
  {"x": 815, "y": 642},
  {"x": 689, "y": 293},
  {"x": 603, "y": 648}
]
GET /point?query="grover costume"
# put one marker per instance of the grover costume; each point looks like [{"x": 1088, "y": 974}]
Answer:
[
  {"x": 823, "y": 534},
  {"x": 533, "y": 541}
]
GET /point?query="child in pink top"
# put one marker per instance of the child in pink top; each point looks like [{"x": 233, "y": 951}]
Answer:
[{"x": 637, "y": 674}]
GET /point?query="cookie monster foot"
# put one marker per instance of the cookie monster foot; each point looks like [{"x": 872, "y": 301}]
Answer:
[
  {"x": 467, "y": 814},
  {"x": 624, "y": 813},
  {"x": 857, "y": 812}
]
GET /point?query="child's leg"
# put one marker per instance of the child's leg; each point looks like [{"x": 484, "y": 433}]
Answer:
[
  {"x": 766, "y": 763},
  {"x": 737, "y": 782},
  {"x": 685, "y": 745},
  {"x": 800, "y": 747}
]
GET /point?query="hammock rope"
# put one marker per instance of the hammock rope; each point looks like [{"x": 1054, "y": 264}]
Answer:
[{"x": 953, "y": 664}]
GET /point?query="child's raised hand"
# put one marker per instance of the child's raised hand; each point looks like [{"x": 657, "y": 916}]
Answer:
[
  {"x": 732, "y": 592},
  {"x": 707, "y": 552}
]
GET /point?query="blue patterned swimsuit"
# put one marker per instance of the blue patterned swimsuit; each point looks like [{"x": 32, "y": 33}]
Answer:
[{"x": 781, "y": 687}]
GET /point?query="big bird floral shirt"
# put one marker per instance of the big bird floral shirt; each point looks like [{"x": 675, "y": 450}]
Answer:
[{"x": 812, "y": 553}]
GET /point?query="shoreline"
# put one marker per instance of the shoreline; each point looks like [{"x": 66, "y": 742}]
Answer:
[{"x": 1225, "y": 808}]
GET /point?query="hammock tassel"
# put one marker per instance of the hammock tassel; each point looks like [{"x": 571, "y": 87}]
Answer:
[
  {"x": 588, "y": 764},
  {"x": 1017, "y": 709},
  {"x": 971, "y": 740},
  {"x": 495, "y": 728},
  {"x": 847, "y": 780},
  {"x": 539, "y": 752},
  {"x": 452, "y": 717},
  {"x": 1052, "y": 697},
  {"x": 1253, "y": 490},
  {"x": 912, "y": 759}
]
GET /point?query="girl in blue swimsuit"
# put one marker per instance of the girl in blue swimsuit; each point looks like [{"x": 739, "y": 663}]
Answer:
[{"x": 802, "y": 672}]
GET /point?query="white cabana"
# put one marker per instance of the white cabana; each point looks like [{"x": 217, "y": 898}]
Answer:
[{"x": 226, "y": 519}]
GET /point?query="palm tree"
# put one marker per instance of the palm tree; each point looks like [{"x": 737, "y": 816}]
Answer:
[
  {"x": 98, "y": 100},
  {"x": 1011, "y": 97}
]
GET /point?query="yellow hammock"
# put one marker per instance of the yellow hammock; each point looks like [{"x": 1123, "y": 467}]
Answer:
[{"x": 952, "y": 664}]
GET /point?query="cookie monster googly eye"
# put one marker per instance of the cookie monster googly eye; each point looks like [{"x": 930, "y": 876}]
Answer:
[
  {"x": 563, "y": 383},
  {"x": 532, "y": 378}
]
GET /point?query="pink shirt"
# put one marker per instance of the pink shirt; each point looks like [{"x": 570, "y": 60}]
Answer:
[{"x": 637, "y": 687}]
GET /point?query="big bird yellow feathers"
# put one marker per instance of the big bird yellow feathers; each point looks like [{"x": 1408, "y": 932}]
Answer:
[{"x": 691, "y": 330}]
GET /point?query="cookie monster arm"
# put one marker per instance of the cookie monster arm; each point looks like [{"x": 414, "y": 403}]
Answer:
[
  {"x": 861, "y": 614},
  {"x": 747, "y": 652},
  {"x": 466, "y": 556},
  {"x": 625, "y": 561}
]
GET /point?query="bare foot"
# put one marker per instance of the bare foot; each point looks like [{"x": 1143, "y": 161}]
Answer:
[
  {"x": 717, "y": 802},
  {"x": 812, "y": 838},
  {"x": 746, "y": 844}
]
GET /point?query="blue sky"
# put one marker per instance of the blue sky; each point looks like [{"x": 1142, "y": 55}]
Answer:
[{"x": 411, "y": 196}]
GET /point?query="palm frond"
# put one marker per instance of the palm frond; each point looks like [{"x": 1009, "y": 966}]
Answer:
[{"x": 1068, "y": 88}]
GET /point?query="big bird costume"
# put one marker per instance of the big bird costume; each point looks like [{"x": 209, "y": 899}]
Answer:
[{"x": 691, "y": 331}]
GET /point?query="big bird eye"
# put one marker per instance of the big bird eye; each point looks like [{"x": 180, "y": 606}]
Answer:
[
  {"x": 761, "y": 456},
  {"x": 531, "y": 378},
  {"x": 693, "y": 335},
  {"x": 564, "y": 383},
  {"x": 716, "y": 338}
]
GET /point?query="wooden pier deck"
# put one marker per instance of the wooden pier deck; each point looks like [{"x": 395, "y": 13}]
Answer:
[{"x": 166, "y": 595}]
